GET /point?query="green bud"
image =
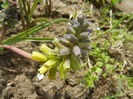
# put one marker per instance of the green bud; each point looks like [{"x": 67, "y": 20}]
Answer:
[{"x": 38, "y": 56}]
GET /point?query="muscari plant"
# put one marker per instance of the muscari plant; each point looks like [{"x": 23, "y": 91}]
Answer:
[{"x": 70, "y": 49}]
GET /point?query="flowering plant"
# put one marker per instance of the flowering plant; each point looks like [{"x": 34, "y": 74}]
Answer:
[{"x": 69, "y": 49}]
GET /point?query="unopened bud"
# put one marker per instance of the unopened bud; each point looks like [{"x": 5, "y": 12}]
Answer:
[
  {"x": 80, "y": 19},
  {"x": 85, "y": 25},
  {"x": 57, "y": 43},
  {"x": 70, "y": 30},
  {"x": 65, "y": 42},
  {"x": 71, "y": 38},
  {"x": 64, "y": 51},
  {"x": 77, "y": 51}
]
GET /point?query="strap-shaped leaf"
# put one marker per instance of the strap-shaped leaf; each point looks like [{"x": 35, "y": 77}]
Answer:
[{"x": 31, "y": 31}]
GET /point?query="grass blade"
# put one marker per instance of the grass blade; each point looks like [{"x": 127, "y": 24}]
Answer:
[
  {"x": 30, "y": 31},
  {"x": 36, "y": 39},
  {"x": 33, "y": 8}
]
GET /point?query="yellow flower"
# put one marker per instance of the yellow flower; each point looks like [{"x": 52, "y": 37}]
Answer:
[
  {"x": 38, "y": 56},
  {"x": 43, "y": 69},
  {"x": 50, "y": 63},
  {"x": 45, "y": 49}
]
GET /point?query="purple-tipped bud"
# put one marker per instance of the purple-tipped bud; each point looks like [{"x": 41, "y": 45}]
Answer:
[
  {"x": 77, "y": 27},
  {"x": 74, "y": 21},
  {"x": 84, "y": 53},
  {"x": 77, "y": 51},
  {"x": 70, "y": 30},
  {"x": 89, "y": 29},
  {"x": 71, "y": 38},
  {"x": 85, "y": 46},
  {"x": 85, "y": 25},
  {"x": 81, "y": 19},
  {"x": 65, "y": 42},
  {"x": 64, "y": 51},
  {"x": 85, "y": 36}
]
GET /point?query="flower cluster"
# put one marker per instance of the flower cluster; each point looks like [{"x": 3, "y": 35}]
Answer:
[{"x": 70, "y": 48}]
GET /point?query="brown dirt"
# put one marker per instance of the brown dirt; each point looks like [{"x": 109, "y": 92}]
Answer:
[{"x": 18, "y": 81}]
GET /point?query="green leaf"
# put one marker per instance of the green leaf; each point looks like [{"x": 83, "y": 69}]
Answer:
[
  {"x": 99, "y": 70},
  {"x": 114, "y": 1},
  {"x": 90, "y": 83},
  {"x": 94, "y": 78},
  {"x": 99, "y": 64},
  {"x": 109, "y": 67},
  {"x": 93, "y": 69},
  {"x": 5, "y": 4}
]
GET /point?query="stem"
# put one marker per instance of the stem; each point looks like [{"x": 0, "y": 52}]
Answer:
[{"x": 18, "y": 51}]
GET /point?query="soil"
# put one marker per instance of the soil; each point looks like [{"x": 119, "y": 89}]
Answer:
[{"x": 18, "y": 76}]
